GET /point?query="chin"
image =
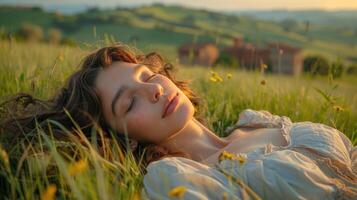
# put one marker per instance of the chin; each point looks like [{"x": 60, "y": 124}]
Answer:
[
  {"x": 185, "y": 114},
  {"x": 179, "y": 120}
]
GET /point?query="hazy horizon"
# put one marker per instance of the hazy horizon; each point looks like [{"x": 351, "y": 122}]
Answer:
[{"x": 223, "y": 5}]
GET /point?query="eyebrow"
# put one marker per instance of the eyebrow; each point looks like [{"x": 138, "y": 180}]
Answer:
[{"x": 122, "y": 89}]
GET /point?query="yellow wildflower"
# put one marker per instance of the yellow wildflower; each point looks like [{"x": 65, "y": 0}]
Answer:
[
  {"x": 241, "y": 159},
  {"x": 263, "y": 66},
  {"x": 225, "y": 196},
  {"x": 219, "y": 79},
  {"x": 49, "y": 193},
  {"x": 229, "y": 178},
  {"x": 226, "y": 155},
  {"x": 3, "y": 156},
  {"x": 61, "y": 57},
  {"x": 229, "y": 76},
  {"x": 77, "y": 167},
  {"x": 136, "y": 196},
  {"x": 178, "y": 191},
  {"x": 213, "y": 79},
  {"x": 338, "y": 108},
  {"x": 263, "y": 82}
]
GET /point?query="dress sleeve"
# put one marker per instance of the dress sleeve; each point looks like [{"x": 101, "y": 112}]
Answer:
[
  {"x": 195, "y": 180},
  {"x": 283, "y": 175}
]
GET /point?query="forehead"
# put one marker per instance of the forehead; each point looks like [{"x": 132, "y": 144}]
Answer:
[
  {"x": 117, "y": 73},
  {"x": 110, "y": 79}
]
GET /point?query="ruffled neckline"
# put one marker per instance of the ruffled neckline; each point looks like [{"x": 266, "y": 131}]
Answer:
[{"x": 262, "y": 119}]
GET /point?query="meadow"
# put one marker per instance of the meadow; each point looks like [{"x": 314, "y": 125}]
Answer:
[{"x": 43, "y": 171}]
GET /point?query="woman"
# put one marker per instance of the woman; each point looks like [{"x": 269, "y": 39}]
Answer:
[{"x": 136, "y": 96}]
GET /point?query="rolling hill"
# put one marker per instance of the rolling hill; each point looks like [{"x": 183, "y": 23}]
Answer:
[{"x": 164, "y": 28}]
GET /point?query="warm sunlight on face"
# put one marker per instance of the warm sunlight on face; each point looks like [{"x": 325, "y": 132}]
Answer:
[{"x": 135, "y": 97}]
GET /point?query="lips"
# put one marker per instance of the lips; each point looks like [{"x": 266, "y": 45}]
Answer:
[{"x": 167, "y": 104}]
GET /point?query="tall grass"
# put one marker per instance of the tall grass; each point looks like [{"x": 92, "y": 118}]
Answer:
[
  {"x": 306, "y": 98},
  {"x": 50, "y": 168}
]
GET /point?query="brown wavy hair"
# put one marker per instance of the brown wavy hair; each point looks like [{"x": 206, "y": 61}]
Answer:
[{"x": 79, "y": 99}]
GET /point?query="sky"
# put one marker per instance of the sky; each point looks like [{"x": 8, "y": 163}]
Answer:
[{"x": 219, "y": 5}]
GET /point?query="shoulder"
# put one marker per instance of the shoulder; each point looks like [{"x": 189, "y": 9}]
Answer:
[{"x": 249, "y": 118}]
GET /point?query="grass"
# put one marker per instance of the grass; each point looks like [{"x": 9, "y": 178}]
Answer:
[{"x": 46, "y": 170}]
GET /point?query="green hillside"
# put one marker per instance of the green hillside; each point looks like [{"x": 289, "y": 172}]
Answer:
[
  {"x": 164, "y": 28},
  {"x": 336, "y": 18},
  {"x": 12, "y": 18}
]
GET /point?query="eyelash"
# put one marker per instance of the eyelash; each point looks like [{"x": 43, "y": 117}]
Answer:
[{"x": 133, "y": 99}]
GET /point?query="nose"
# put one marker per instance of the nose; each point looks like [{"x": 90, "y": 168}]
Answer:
[
  {"x": 153, "y": 92},
  {"x": 158, "y": 91}
]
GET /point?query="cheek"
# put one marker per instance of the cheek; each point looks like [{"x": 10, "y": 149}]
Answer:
[{"x": 140, "y": 125}]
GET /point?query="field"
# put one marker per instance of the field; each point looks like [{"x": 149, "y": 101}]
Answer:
[{"x": 41, "y": 69}]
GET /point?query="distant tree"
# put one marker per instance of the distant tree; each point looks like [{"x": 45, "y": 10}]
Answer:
[
  {"x": 93, "y": 9},
  {"x": 316, "y": 65},
  {"x": 158, "y": 4},
  {"x": 289, "y": 24},
  {"x": 3, "y": 33},
  {"x": 37, "y": 8},
  {"x": 189, "y": 21},
  {"x": 54, "y": 36},
  {"x": 68, "y": 23},
  {"x": 68, "y": 41},
  {"x": 31, "y": 32},
  {"x": 120, "y": 19},
  {"x": 227, "y": 61},
  {"x": 352, "y": 69},
  {"x": 336, "y": 68}
]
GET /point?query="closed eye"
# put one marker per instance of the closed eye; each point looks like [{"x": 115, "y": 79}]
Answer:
[
  {"x": 150, "y": 77},
  {"x": 131, "y": 105},
  {"x": 133, "y": 99}
]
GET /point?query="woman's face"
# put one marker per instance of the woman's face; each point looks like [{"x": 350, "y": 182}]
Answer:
[{"x": 134, "y": 97}]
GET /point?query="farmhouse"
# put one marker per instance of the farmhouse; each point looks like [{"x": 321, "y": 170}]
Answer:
[
  {"x": 281, "y": 58},
  {"x": 204, "y": 54},
  {"x": 285, "y": 59},
  {"x": 246, "y": 54}
]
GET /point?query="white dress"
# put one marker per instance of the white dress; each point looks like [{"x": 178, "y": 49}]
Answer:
[{"x": 319, "y": 162}]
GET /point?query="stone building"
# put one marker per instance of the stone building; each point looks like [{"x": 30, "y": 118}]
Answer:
[
  {"x": 204, "y": 54},
  {"x": 279, "y": 57}
]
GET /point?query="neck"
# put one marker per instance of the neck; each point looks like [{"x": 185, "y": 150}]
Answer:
[{"x": 195, "y": 140}]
